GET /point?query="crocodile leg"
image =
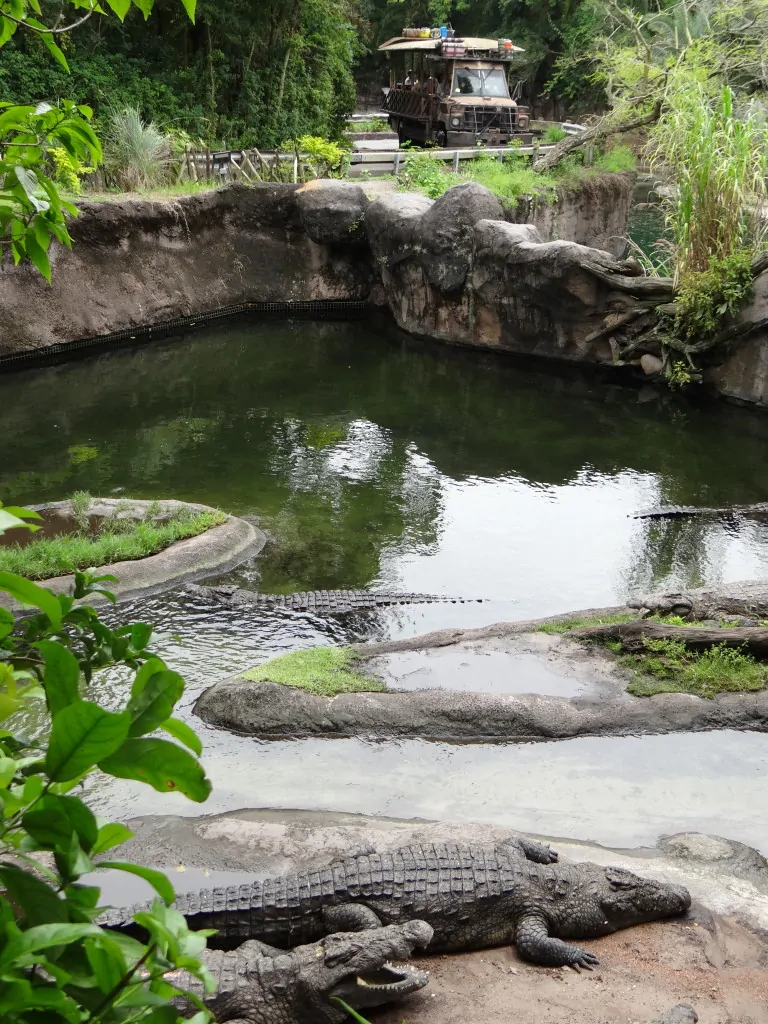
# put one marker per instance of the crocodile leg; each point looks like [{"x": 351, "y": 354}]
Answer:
[
  {"x": 535, "y": 944},
  {"x": 350, "y": 917},
  {"x": 254, "y": 948},
  {"x": 539, "y": 853}
]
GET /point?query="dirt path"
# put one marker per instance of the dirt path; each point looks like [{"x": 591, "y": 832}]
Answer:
[{"x": 721, "y": 973}]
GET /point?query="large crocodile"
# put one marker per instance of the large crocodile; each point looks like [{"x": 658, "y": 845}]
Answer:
[
  {"x": 254, "y": 986},
  {"x": 320, "y": 602},
  {"x": 473, "y": 897}
]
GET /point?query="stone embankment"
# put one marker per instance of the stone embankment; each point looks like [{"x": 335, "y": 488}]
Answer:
[{"x": 540, "y": 279}]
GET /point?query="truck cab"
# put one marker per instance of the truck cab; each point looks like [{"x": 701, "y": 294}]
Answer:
[{"x": 453, "y": 92}]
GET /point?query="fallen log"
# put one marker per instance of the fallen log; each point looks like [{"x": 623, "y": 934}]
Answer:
[
  {"x": 752, "y": 640},
  {"x": 604, "y": 129}
]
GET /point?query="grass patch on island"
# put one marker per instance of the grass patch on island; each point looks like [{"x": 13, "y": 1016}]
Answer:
[
  {"x": 325, "y": 671},
  {"x": 668, "y": 666},
  {"x": 118, "y": 540},
  {"x": 565, "y": 625}
]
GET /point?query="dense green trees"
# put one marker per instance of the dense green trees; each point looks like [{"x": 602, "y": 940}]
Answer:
[{"x": 243, "y": 73}]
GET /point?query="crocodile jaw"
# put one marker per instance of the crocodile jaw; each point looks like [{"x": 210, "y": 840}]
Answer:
[{"x": 384, "y": 984}]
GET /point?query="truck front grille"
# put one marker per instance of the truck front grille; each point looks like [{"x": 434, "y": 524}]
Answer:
[{"x": 481, "y": 119}]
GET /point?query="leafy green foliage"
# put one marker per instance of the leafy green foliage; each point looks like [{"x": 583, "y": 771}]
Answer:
[
  {"x": 56, "y": 963},
  {"x": 116, "y": 540},
  {"x": 706, "y": 299},
  {"x": 422, "y": 173},
  {"x": 32, "y": 212},
  {"x": 325, "y": 671}
]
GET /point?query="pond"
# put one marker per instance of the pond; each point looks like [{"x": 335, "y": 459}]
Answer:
[{"x": 378, "y": 461}]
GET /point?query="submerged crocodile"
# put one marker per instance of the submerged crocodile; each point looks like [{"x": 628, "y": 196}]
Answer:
[
  {"x": 321, "y": 602},
  {"x": 254, "y": 986},
  {"x": 472, "y": 896}
]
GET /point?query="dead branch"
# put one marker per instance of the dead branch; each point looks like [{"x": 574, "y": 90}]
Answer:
[{"x": 602, "y": 130}]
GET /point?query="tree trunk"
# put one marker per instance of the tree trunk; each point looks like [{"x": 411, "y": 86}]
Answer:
[
  {"x": 753, "y": 640},
  {"x": 602, "y": 130}
]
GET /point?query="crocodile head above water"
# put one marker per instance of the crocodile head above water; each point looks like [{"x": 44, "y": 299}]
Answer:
[{"x": 612, "y": 898}]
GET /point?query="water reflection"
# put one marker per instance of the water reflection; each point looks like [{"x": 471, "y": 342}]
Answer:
[{"x": 376, "y": 460}]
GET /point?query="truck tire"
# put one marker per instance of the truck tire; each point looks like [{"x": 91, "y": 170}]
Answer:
[{"x": 441, "y": 137}]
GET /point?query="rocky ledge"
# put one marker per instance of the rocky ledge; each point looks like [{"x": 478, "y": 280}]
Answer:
[{"x": 546, "y": 687}]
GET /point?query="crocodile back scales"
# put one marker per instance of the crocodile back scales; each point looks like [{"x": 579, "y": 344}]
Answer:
[
  {"x": 321, "y": 602},
  {"x": 439, "y": 883}
]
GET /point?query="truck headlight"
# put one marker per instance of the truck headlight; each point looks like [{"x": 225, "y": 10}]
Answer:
[
  {"x": 522, "y": 122},
  {"x": 455, "y": 121}
]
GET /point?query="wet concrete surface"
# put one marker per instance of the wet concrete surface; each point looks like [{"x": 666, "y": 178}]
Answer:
[{"x": 523, "y": 663}]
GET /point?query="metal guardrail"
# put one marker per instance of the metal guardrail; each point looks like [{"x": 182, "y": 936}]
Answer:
[{"x": 391, "y": 161}]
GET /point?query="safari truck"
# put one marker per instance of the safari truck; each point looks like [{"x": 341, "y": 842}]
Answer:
[{"x": 452, "y": 92}]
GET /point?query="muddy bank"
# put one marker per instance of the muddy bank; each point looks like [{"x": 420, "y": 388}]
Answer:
[{"x": 713, "y": 959}]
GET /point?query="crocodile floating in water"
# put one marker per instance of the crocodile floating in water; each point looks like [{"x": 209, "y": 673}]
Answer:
[
  {"x": 255, "y": 986},
  {"x": 321, "y": 602},
  {"x": 472, "y": 896}
]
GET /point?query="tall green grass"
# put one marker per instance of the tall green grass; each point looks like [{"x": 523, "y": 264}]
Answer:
[
  {"x": 719, "y": 163},
  {"x": 136, "y": 152}
]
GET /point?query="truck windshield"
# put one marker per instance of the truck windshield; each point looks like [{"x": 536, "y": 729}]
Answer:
[{"x": 480, "y": 82}]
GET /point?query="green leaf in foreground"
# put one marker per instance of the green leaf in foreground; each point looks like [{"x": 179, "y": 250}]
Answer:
[
  {"x": 30, "y": 594},
  {"x": 61, "y": 680},
  {"x": 82, "y": 735},
  {"x": 182, "y": 732},
  {"x": 156, "y": 879},
  {"x": 110, "y": 835},
  {"x": 154, "y": 704},
  {"x": 162, "y": 765}
]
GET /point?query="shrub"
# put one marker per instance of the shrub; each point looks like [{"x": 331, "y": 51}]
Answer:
[
  {"x": 57, "y": 964},
  {"x": 136, "y": 153},
  {"x": 554, "y": 134},
  {"x": 423, "y": 173}
]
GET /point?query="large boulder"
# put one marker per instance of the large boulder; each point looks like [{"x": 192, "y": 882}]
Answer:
[
  {"x": 447, "y": 232},
  {"x": 393, "y": 225},
  {"x": 332, "y": 211}
]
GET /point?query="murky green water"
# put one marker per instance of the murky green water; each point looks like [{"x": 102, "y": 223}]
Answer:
[{"x": 378, "y": 461}]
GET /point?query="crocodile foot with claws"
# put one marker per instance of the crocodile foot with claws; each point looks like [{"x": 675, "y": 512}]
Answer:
[{"x": 258, "y": 985}]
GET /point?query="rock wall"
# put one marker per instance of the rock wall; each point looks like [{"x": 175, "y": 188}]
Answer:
[
  {"x": 460, "y": 269},
  {"x": 135, "y": 262},
  {"x": 594, "y": 212},
  {"x": 455, "y": 270}
]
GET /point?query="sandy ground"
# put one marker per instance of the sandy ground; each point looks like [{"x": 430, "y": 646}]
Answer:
[{"x": 722, "y": 973}]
